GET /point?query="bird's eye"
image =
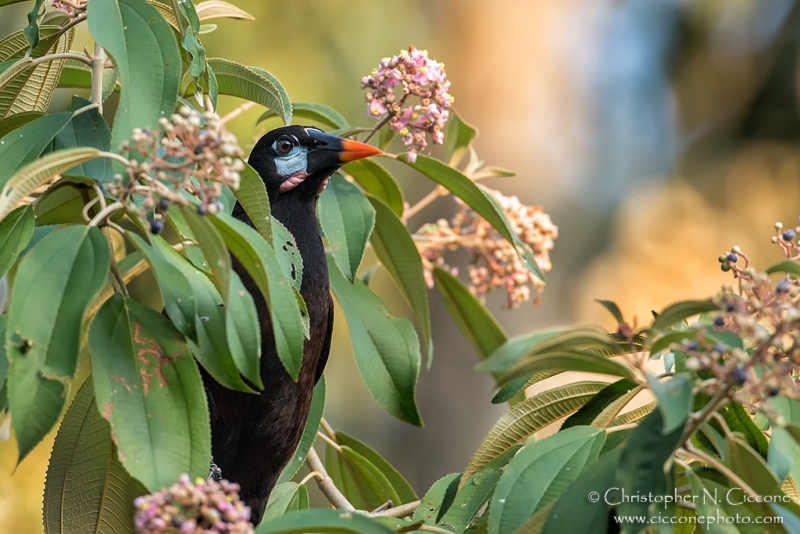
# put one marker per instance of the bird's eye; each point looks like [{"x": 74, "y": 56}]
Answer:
[{"x": 284, "y": 145}]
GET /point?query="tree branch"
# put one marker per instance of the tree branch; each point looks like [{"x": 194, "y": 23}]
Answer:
[
  {"x": 326, "y": 485},
  {"x": 404, "y": 510},
  {"x": 98, "y": 64}
]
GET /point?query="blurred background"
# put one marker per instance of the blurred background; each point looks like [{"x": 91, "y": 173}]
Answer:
[{"x": 656, "y": 133}]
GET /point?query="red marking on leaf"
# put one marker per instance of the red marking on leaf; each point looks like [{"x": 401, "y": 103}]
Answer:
[
  {"x": 107, "y": 407},
  {"x": 152, "y": 358},
  {"x": 121, "y": 380}
]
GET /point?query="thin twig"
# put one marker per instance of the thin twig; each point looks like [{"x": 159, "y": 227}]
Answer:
[
  {"x": 236, "y": 112},
  {"x": 619, "y": 428},
  {"x": 326, "y": 426},
  {"x": 105, "y": 213},
  {"x": 329, "y": 441},
  {"x": 312, "y": 474},
  {"x": 440, "y": 191},
  {"x": 99, "y": 192},
  {"x": 66, "y": 27},
  {"x": 87, "y": 207},
  {"x": 326, "y": 485},
  {"x": 404, "y": 510}
]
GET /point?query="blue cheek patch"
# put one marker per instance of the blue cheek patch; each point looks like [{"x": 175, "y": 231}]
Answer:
[{"x": 295, "y": 162}]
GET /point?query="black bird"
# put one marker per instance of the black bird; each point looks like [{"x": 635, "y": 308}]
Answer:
[{"x": 254, "y": 436}]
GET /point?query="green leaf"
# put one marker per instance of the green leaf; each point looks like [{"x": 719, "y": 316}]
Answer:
[
  {"x": 214, "y": 251},
  {"x": 16, "y": 231},
  {"x": 573, "y": 512},
  {"x": 750, "y": 466},
  {"x": 286, "y": 309},
  {"x": 612, "y": 308},
  {"x": 253, "y": 84},
  {"x": 740, "y": 421},
  {"x": 35, "y": 174},
  {"x": 88, "y": 129},
  {"x": 477, "y": 199},
  {"x": 709, "y": 507},
  {"x": 347, "y": 219},
  {"x": 149, "y": 388},
  {"x": 567, "y": 360},
  {"x": 313, "y": 111},
  {"x": 401, "y": 486},
  {"x": 540, "y": 473},
  {"x": 31, "y": 89},
  {"x": 280, "y": 500},
  {"x": 9, "y": 2},
  {"x": 527, "y": 417},
  {"x": 784, "y": 266},
  {"x": 87, "y": 489},
  {"x": 211, "y": 348},
  {"x": 386, "y": 348},
  {"x": 212, "y": 9},
  {"x": 191, "y": 39},
  {"x": 32, "y": 29},
  {"x": 458, "y": 137},
  {"x": 253, "y": 199},
  {"x": 146, "y": 55},
  {"x": 782, "y": 446},
  {"x": 678, "y": 312},
  {"x": 437, "y": 499},
  {"x": 592, "y": 409},
  {"x": 289, "y": 257},
  {"x": 395, "y": 249},
  {"x": 326, "y": 521},
  {"x": 476, "y": 323},
  {"x": 674, "y": 399},
  {"x": 24, "y": 144},
  {"x": 309, "y": 432},
  {"x": 665, "y": 341},
  {"x": 610, "y": 412},
  {"x": 641, "y": 466},
  {"x": 377, "y": 181},
  {"x": 13, "y": 122},
  {"x": 359, "y": 480}
]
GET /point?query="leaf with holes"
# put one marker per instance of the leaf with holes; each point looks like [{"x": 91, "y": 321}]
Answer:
[
  {"x": 149, "y": 388},
  {"x": 87, "y": 489}
]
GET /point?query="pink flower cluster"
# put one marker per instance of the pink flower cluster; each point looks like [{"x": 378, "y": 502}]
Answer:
[
  {"x": 202, "y": 507},
  {"x": 411, "y": 73}
]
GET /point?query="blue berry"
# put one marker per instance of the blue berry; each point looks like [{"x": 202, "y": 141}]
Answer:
[
  {"x": 719, "y": 321},
  {"x": 156, "y": 227},
  {"x": 739, "y": 375},
  {"x": 788, "y": 235},
  {"x": 719, "y": 347},
  {"x": 773, "y": 391},
  {"x": 202, "y": 209},
  {"x": 782, "y": 287},
  {"x": 733, "y": 258},
  {"x": 692, "y": 346},
  {"x": 163, "y": 203}
]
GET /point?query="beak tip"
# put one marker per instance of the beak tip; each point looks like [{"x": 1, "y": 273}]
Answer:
[{"x": 355, "y": 150}]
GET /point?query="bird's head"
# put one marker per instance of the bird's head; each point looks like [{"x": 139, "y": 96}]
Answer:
[{"x": 298, "y": 160}]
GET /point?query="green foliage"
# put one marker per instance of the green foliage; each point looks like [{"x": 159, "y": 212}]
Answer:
[{"x": 71, "y": 243}]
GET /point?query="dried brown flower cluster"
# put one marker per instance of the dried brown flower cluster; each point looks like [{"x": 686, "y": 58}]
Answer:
[
  {"x": 191, "y": 152},
  {"x": 765, "y": 316},
  {"x": 493, "y": 261}
]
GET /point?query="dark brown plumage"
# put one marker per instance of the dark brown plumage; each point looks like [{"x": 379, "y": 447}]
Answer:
[{"x": 254, "y": 436}]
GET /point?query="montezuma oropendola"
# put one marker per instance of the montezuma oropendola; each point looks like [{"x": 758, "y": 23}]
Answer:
[{"x": 254, "y": 436}]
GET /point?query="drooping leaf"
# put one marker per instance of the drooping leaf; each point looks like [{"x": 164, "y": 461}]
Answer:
[
  {"x": 377, "y": 181},
  {"x": 253, "y": 199},
  {"x": 39, "y": 172},
  {"x": 31, "y": 89},
  {"x": 612, "y": 308},
  {"x": 16, "y": 230},
  {"x": 145, "y": 53},
  {"x": 309, "y": 432},
  {"x": 212, "y": 9},
  {"x": 386, "y": 348},
  {"x": 347, "y": 219},
  {"x": 330, "y": 521},
  {"x": 396, "y": 251},
  {"x": 528, "y": 417},
  {"x": 641, "y": 465},
  {"x": 401, "y": 486},
  {"x": 476, "y": 323},
  {"x": 477, "y": 199},
  {"x": 261, "y": 263},
  {"x": 24, "y": 144},
  {"x": 313, "y": 111},
  {"x": 540, "y": 473},
  {"x": 253, "y": 84},
  {"x": 58, "y": 279},
  {"x": 87, "y": 489},
  {"x": 679, "y": 311},
  {"x": 674, "y": 399},
  {"x": 87, "y": 129},
  {"x": 149, "y": 388}
]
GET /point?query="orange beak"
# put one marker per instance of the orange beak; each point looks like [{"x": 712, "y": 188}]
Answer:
[{"x": 353, "y": 150}]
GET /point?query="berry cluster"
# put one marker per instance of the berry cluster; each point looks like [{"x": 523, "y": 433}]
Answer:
[
  {"x": 494, "y": 261},
  {"x": 205, "y": 507},
  {"x": 191, "y": 152},
  {"x": 411, "y": 73},
  {"x": 765, "y": 316}
]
